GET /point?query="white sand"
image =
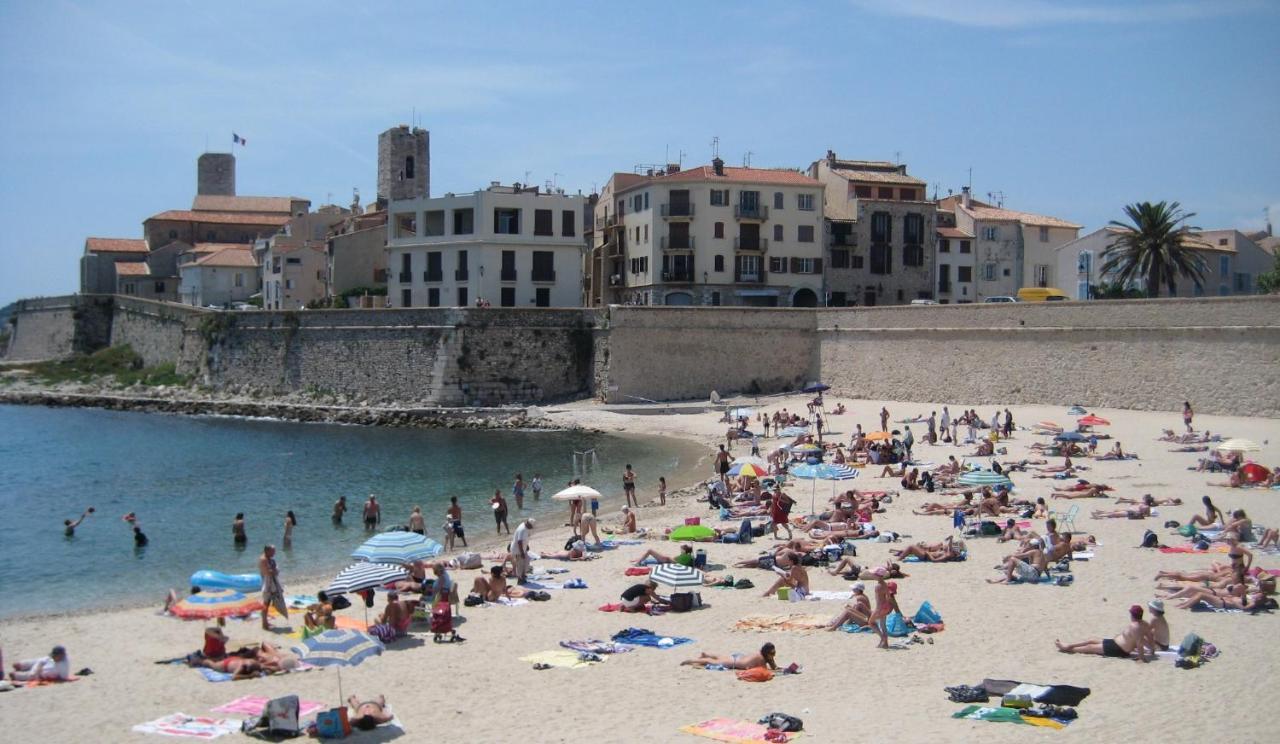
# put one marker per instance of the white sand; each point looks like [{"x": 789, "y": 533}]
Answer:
[{"x": 480, "y": 691}]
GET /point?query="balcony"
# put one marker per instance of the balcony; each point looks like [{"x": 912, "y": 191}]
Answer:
[
  {"x": 749, "y": 277},
  {"x": 617, "y": 280},
  {"x": 678, "y": 277},
  {"x": 672, "y": 243},
  {"x": 406, "y": 277},
  {"x": 844, "y": 239},
  {"x": 432, "y": 276},
  {"x": 544, "y": 276},
  {"x": 757, "y": 212},
  {"x": 611, "y": 220},
  {"x": 507, "y": 275},
  {"x": 677, "y": 211},
  {"x": 751, "y": 244}
]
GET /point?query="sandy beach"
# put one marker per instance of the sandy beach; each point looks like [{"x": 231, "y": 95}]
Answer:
[{"x": 481, "y": 690}]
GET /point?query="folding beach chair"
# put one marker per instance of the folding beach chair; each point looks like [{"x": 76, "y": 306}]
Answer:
[{"x": 1068, "y": 521}]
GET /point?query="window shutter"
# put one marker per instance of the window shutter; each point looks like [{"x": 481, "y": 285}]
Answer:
[
  {"x": 795, "y": 266},
  {"x": 817, "y": 265},
  {"x": 888, "y": 259}
]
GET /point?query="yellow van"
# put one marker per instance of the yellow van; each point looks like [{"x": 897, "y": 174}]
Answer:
[{"x": 1041, "y": 294}]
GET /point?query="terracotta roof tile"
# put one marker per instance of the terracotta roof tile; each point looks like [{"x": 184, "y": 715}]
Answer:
[
  {"x": 871, "y": 171},
  {"x": 215, "y": 247},
  {"x": 221, "y": 218},
  {"x": 272, "y": 204},
  {"x": 230, "y": 258},
  {"x": 763, "y": 176},
  {"x": 953, "y": 233},
  {"x": 114, "y": 245},
  {"x": 996, "y": 214},
  {"x": 132, "y": 268}
]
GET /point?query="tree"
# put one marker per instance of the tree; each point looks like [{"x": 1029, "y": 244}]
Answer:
[
  {"x": 1154, "y": 248},
  {"x": 1269, "y": 283}
]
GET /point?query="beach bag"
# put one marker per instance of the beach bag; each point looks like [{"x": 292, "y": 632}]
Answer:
[
  {"x": 279, "y": 720},
  {"x": 1190, "y": 645},
  {"x": 895, "y": 625},
  {"x": 442, "y": 617},
  {"x": 333, "y": 724},
  {"x": 782, "y": 722},
  {"x": 1187, "y": 530},
  {"x": 692, "y": 521},
  {"x": 682, "y": 602},
  {"x": 1150, "y": 540},
  {"x": 926, "y": 615},
  {"x": 989, "y": 528},
  {"x": 967, "y": 694},
  {"x": 744, "y": 531},
  {"x": 469, "y": 560},
  {"x": 756, "y": 674}
]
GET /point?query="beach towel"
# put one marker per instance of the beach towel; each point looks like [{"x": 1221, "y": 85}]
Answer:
[
  {"x": 964, "y": 556},
  {"x": 1006, "y": 715},
  {"x": 1193, "y": 549},
  {"x": 1052, "y": 695},
  {"x": 301, "y": 601},
  {"x": 192, "y": 727},
  {"x": 1203, "y": 606},
  {"x": 593, "y": 646},
  {"x": 508, "y": 602},
  {"x": 855, "y": 628},
  {"x": 253, "y": 705},
  {"x": 47, "y": 682},
  {"x": 793, "y": 622},
  {"x": 735, "y": 732},
  {"x": 561, "y": 658},
  {"x": 823, "y": 595},
  {"x": 637, "y": 571},
  {"x": 643, "y": 637}
]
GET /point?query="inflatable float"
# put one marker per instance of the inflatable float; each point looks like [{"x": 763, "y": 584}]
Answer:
[{"x": 217, "y": 580}]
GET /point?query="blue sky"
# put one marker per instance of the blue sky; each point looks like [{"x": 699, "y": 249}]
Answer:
[{"x": 1068, "y": 108}]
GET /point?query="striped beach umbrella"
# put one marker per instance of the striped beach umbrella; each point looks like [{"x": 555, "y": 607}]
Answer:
[
  {"x": 983, "y": 478},
  {"x": 676, "y": 576},
  {"x": 806, "y": 449},
  {"x": 793, "y": 431},
  {"x": 359, "y": 576},
  {"x": 338, "y": 647},
  {"x": 752, "y": 460},
  {"x": 398, "y": 547},
  {"x": 1239, "y": 445},
  {"x": 748, "y": 469},
  {"x": 215, "y": 603}
]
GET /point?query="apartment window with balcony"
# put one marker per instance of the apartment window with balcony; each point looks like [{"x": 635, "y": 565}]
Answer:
[
  {"x": 884, "y": 192},
  {"x": 944, "y": 245},
  {"x": 462, "y": 297},
  {"x": 433, "y": 297},
  {"x": 747, "y": 268},
  {"x": 881, "y": 228},
  {"x": 406, "y": 268},
  {"x": 778, "y": 199},
  {"x": 749, "y": 203},
  {"x": 568, "y": 223},
  {"x": 913, "y": 255},
  {"x": 507, "y": 297},
  {"x": 778, "y": 264},
  {"x": 719, "y": 230},
  {"x": 677, "y": 268},
  {"x": 906, "y": 194},
  {"x": 855, "y": 262},
  {"x": 542, "y": 295},
  {"x": 862, "y": 192},
  {"x": 460, "y": 274},
  {"x": 964, "y": 274},
  {"x": 913, "y": 229},
  {"x": 988, "y": 272},
  {"x": 990, "y": 233},
  {"x": 839, "y": 258},
  {"x": 508, "y": 273},
  {"x": 965, "y": 246},
  {"x": 464, "y": 221},
  {"x": 804, "y": 202},
  {"x": 506, "y": 221},
  {"x": 719, "y": 263},
  {"x": 435, "y": 273},
  {"x": 678, "y": 236},
  {"x": 719, "y": 197},
  {"x": 881, "y": 259},
  {"x": 640, "y": 265},
  {"x": 543, "y": 223},
  {"x": 433, "y": 223},
  {"x": 544, "y": 266},
  {"x": 1044, "y": 235},
  {"x": 777, "y": 233},
  {"x": 804, "y": 234},
  {"x": 275, "y": 264},
  {"x": 944, "y": 277}
]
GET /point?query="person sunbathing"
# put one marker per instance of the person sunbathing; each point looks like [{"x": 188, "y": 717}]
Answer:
[
  {"x": 1149, "y": 500},
  {"x": 685, "y": 557},
  {"x": 577, "y": 553},
  {"x": 1017, "y": 570},
  {"x": 948, "y": 550},
  {"x": 275, "y": 659},
  {"x": 1136, "y": 637},
  {"x": 985, "y": 449},
  {"x": 1270, "y": 538},
  {"x": 238, "y": 667},
  {"x": 764, "y": 657},
  {"x": 1117, "y": 453},
  {"x": 889, "y": 472},
  {"x": 858, "y": 611},
  {"x": 782, "y": 557},
  {"x": 369, "y": 714},
  {"x": 1010, "y": 532},
  {"x": 495, "y": 587},
  {"x": 1140, "y": 511},
  {"x": 1064, "y": 467},
  {"x": 1191, "y": 448},
  {"x": 796, "y": 578},
  {"x": 1083, "y": 490}
]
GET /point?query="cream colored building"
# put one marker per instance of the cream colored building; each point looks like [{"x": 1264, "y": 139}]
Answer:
[
  {"x": 1232, "y": 264},
  {"x": 219, "y": 278},
  {"x": 708, "y": 235},
  {"x": 512, "y": 246},
  {"x": 294, "y": 262}
]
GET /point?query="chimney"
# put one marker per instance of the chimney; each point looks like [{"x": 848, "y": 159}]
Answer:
[
  {"x": 717, "y": 165},
  {"x": 964, "y": 196},
  {"x": 831, "y": 158}
]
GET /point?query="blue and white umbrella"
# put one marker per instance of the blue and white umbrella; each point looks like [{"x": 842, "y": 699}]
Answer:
[
  {"x": 984, "y": 478},
  {"x": 793, "y": 431},
  {"x": 338, "y": 647},
  {"x": 1070, "y": 436},
  {"x": 398, "y": 547},
  {"x": 359, "y": 576},
  {"x": 823, "y": 471}
]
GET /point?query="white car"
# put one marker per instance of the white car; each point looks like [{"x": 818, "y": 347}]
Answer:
[
  {"x": 1001, "y": 298},
  {"x": 924, "y": 302}
]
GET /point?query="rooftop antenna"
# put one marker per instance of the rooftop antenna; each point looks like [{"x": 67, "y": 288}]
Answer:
[
  {"x": 997, "y": 197},
  {"x": 680, "y": 160},
  {"x": 897, "y": 157},
  {"x": 971, "y": 178},
  {"x": 715, "y": 146},
  {"x": 555, "y": 179},
  {"x": 746, "y": 159},
  {"x": 526, "y": 177}
]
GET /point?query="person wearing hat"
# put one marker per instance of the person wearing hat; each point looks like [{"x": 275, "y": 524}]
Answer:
[
  {"x": 1159, "y": 625},
  {"x": 55, "y": 667},
  {"x": 886, "y": 604},
  {"x": 858, "y": 611}
]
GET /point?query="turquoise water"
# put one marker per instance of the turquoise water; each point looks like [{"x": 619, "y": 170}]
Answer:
[{"x": 187, "y": 477}]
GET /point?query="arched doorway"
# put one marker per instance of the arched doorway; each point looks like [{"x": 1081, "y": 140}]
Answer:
[
  {"x": 804, "y": 298},
  {"x": 678, "y": 298}
]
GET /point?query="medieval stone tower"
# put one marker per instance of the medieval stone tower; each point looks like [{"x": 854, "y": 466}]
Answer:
[
  {"x": 216, "y": 174},
  {"x": 404, "y": 164}
]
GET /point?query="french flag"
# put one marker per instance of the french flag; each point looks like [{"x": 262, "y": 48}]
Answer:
[{"x": 238, "y": 140}]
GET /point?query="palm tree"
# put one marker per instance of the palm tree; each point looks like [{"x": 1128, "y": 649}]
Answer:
[{"x": 1155, "y": 247}]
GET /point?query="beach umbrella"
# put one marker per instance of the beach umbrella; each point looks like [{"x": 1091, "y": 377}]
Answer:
[
  {"x": 1092, "y": 420},
  {"x": 750, "y": 460},
  {"x": 1239, "y": 445},
  {"x": 359, "y": 576},
  {"x": 806, "y": 449},
  {"x": 737, "y": 413},
  {"x": 692, "y": 532},
  {"x": 877, "y": 436},
  {"x": 1076, "y": 411},
  {"x": 338, "y": 647},
  {"x": 983, "y": 478},
  {"x": 1252, "y": 472},
  {"x": 398, "y": 547},
  {"x": 577, "y": 493},
  {"x": 815, "y": 387},
  {"x": 1070, "y": 436},
  {"x": 676, "y": 576},
  {"x": 793, "y": 431},
  {"x": 823, "y": 471},
  {"x": 747, "y": 469},
  {"x": 215, "y": 603}
]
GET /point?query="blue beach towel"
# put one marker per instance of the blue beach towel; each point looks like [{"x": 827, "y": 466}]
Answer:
[
  {"x": 645, "y": 637},
  {"x": 895, "y": 626},
  {"x": 855, "y": 628},
  {"x": 212, "y": 676}
]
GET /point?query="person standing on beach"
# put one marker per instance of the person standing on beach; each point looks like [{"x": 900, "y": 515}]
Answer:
[
  {"x": 272, "y": 591},
  {"x": 1187, "y": 413},
  {"x": 884, "y": 418},
  {"x": 238, "y": 536},
  {"x": 455, "y": 520},
  {"x": 908, "y": 441},
  {"x": 886, "y": 604},
  {"x": 722, "y": 464},
  {"x": 339, "y": 508},
  {"x": 933, "y": 427},
  {"x": 628, "y": 487},
  {"x": 662, "y": 490},
  {"x": 520, "y": 550},
  {"x": 416, "y": 522},
  {"x": 536, "y": 486},
  {"x": 517, "y": 491},
  {"x": 500, "y": 511},
  {"x": 372, "y": 513},
  {"x": 290, "y": 521},
  {"x": 1008, "y": 423}
]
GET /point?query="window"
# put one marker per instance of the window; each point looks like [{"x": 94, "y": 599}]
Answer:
[
  {"x": 990, "y": 233},
  {"x": 1222, "y": 241},
  {"x": 1007, "y": 272},
  {"x": 862, "y": 192},
  {"x": 173, "y": 235},
  {"x": 719, "y": 230},
  {"x": 777, "y": 233},
  {"x": 747, "y": 268},
  {"x": 778, "y": 200},
  {"x": 1084, "y": 265},
  {"x": 719, "y": 263},
  {"x": 855, "y": 262},
  {"x": 434, "y": 271},
  {"x": 239, "y": 281},
  {"x": 464, "y": 221},
  {"x": 804, "y": 202},
  {"x": 884, "y": 192},
  {"x": 881, "y": 228},
  {"x": 408, "y": 167},
  {"x": 839, "y": 258},
  {"x": 906, "y": 194},
  {"x": 406, "y": 225},
  {"x": 159, "y": 287},
  {"x": 989, "y": 272},
  {"x": 508, "y": 273},
  {"x": 568, "y": 223},
  {"x": 806, "y": 266},
  {"x": 506, "y": 221},
  {"x": 433, "y": 223},
  {"x": 646, "y": 233},
  {"x": 1082, "y": 290},
  {"x": 1224, "y": 265},
  {"x": 881, "y": 259},
  {"x": 406, "y": 298},
  {"x": 804, "y": 233},
  {"x": 507, "y": 297},
  {"x": 778, "y": 264},
  {"x": 1041, "y": 275},
  {"x": 542, "y": 295},
  {"x": 542, "y": 222},
  {"x": 965, "y": 246},
  {"x": 460, "y": 273},
  {"x": 944, "y": 277},
  {"x": 715, "y": 298},
  {"x": 719, "y": 197},
  {"x": 646, "y": 200},
  {"x": 1243, "y": 283},
  {"x": 288, "y": 284},
  {"x": 293, "y": 261},
  {"x": 462, "y": 297},
  {"x": 544, "y": 266},
  {"x": 964, "y": 273},
  {"x": 838, "y": 299},
  {"x": 913, "y": 229},
  {"x": 433, "y": 297},
  {"x": 944, "y": 245},
  {"x": 913, "y": 255},
  {"x": 1044, "y": 235}
]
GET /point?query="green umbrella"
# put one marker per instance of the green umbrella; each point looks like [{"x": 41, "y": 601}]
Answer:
[{"x": 692, "y": 532}]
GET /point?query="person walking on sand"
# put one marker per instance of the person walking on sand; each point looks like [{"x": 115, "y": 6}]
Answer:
[
  {"x": 722, "y": 461},
  {"x": 272, "y": 591},
  {"x": 339, "y": 508},
  {"x": 290, "y": 521},
  {"x": 372, "y": 513},
  {"x": 517, "y": 491},
  {"x": 500, "y": 511},
  {"x": 520, "y": 550},
  {"x": 238, "y": 536},
  {"x": 629, "y": 487},
  {"x": 884, "y": 418},
  {"x": 455, "y": 520},
  {"x": 886, "y": 604}
]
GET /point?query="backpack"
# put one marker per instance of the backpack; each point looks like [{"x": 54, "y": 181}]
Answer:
[
  {"x": 967, "y": 694},
  {"x": 782, "y": 722},
  {"x": 1150, "y": 540},
  {"x": 279, "y": 720}
]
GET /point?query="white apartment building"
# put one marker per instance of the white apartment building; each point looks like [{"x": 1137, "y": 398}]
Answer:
[
  {"x": 512, "y": 246},
  {"x": 709, "y": 235},
  {"x": 220, "y": 277}
]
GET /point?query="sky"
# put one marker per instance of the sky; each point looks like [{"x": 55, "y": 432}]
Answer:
[{"x": 1072, "y": 109}]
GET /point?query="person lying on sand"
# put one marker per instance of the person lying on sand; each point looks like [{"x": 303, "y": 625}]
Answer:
[
  {"x": 1064, "y": 467},
  {"x": 494, "y": 587},
  {"x": 55, "y": 666},
  {"x": 1010, "y": 531},
  {"x": 1241, "y": 596},
  {"x": 685, "y": 557},
  {"x": 369, "y": 714},
  {"x": 275, "y": 659},
  {"x": 1140, "y": 511},
  {"x": 764, "y": 657},
  {"x": 1082, "y": 490},
  {"x": 1136, "y": 637},
  {"x": 1149, "y": 500},
  {"x": 942, "y": 552},
  {"x": 858, "y": 611},
  {"x": 237, "y": 666}
]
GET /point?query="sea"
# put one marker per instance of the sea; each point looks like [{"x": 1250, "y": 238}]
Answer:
[{"x": 186, "y": 477}]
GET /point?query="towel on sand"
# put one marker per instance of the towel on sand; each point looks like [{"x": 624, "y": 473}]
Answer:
[
  {"x": 194, "y": 727},
  {"x": 561, "y": 658},
  {"x": 593, "y": 646},
  {"x": 253, "y": 705},
  {"x": 793, "y": 622},
  {"x": 1192, "y": 549},
  {"x": 644, "y": 637},
  {"x": 730, "y": 730},
  {"x": 1005, "y": 715}
]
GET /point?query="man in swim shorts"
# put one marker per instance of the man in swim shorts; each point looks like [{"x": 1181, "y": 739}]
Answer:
[{"x": 1136, "y": 637}]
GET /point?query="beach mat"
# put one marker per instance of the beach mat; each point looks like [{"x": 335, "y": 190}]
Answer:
[
  {"x": 733, "y": 731},
  {"x": 252, "y": 706},
  {"x": 643, "y": 637},
  {"x": 1006, "y": 715},
  {"x": 593, "y": 646},
  {"x": 1192, "y": 549},
  {"x": 769, "y": 623},
  {"x": 1047, "y": 694},
  {"x": 560, "y": 658},
  {"x": 191, "y": 727}
]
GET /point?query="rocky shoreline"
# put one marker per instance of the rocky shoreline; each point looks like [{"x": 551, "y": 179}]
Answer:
[{"x": 362, "y": 415}]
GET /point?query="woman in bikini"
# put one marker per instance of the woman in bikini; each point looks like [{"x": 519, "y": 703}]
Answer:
[
  {"x": 1212, "y": 515},
  {"x": 764, "y": 657}
]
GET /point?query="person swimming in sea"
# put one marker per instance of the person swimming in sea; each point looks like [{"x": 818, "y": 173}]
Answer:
[{"x": 69, "y": 527}]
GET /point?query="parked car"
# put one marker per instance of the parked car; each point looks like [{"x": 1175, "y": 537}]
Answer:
[
  {"x": 924, "y": 302},
  {"x": 1042, "y": 294},
  {"x": 1001, "y": 298}
]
